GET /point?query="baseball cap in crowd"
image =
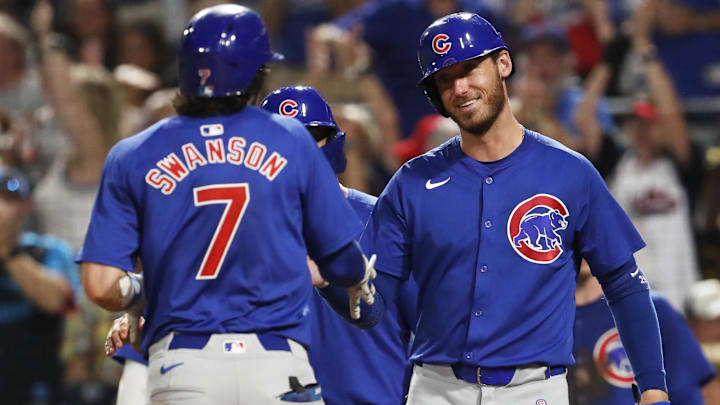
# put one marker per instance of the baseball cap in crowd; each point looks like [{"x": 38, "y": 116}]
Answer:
[
  {"x": 703, "y": 300},
  {"x": 644, "y": 109},
  {"x": 13, "y": 184},
  {"x": 430, "y": 131}
]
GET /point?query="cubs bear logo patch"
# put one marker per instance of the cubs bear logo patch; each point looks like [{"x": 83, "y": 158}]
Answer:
[
  {"x": 612, "y": 361},
  {"x": 535, "y": 228}
]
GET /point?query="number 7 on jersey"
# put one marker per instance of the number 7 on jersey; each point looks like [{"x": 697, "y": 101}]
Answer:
[{"x": 236, "y": 197}]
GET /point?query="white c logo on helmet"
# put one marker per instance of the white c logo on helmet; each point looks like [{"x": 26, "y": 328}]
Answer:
[
  {"x": 288, "y": 108},
  {"x": 440, "y": 44}
]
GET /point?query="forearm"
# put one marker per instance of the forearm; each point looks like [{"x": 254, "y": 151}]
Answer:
[
  {"x": 628, "y": 294},
  {"x": 47, "y": 291},
  {"x": 586, "y": 115},
  {"x": 67, "y": 103},
  {"x": 671, "y": 111},
  {"x": 637, "y": 325},
  {"x": 107, "y": 286},
  {"x": 344, "y": 268},
  {"x": 708, "y": 21}
]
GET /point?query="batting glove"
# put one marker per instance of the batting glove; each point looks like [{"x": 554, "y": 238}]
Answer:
[{"x": 364, "y": 290}]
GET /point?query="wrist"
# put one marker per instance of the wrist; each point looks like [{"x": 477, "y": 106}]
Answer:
[
  {"x": 648, "y": 54},
  {"x": 130, "y": 289}
]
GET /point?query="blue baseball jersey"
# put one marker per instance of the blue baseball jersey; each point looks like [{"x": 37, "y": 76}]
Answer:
[
  {"x": 220, "y": 210},
  {"x": 356, "y": 366},
  {"x": 603, "y": 375},
  {"x": 494, "y": 249}
]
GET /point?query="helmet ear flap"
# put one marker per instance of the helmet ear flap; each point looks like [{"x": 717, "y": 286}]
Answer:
[{"x": 433, "y": 95}]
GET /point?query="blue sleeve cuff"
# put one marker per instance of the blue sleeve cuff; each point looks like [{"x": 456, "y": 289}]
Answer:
[{"x": 370, "y": 315}]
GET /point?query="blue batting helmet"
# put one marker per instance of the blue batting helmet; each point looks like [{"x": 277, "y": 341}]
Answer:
[
  {"x": 222, "y": 49},
  {"x": 453, "y": 39},
  {"x": 307, "y": 105}
]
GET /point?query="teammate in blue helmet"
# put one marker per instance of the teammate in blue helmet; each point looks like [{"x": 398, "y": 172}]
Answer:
[
  {"x": 307, "y": 106},
  {"x": 450, "y": 40},
  {"x": 221, "y": 205},
  {"x": 492, "y": 226},
  {"x": 353, "y": 366}
]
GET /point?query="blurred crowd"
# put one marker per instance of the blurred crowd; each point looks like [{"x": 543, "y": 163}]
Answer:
[{"x": 78, "y": 75}]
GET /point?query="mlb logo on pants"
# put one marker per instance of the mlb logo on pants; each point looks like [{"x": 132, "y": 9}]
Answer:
[
  {"x": 234, "y": 346},
  {"x": 541, "y": 402}
]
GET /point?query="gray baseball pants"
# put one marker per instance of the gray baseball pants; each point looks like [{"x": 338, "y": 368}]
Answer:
[
  {"x": 231, "y": 369},
  {"x": 433, "y": 384}
]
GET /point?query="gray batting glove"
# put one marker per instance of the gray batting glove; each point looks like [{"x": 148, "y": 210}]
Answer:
[{"x": 363, "y": 290}]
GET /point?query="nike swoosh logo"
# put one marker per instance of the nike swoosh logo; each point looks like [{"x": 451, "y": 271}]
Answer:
[
  {"x": 430, "y": 185},
  {"x": 635, "y": 273},
  {"x": 164, "y": 369}
]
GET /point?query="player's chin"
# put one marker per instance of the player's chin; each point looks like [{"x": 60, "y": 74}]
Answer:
[{"x": 475, "y": 124}]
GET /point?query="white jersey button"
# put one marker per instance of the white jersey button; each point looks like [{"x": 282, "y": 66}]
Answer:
[
  {"x": 488, "y": 180},
  {"x": 488, "y": 223}
]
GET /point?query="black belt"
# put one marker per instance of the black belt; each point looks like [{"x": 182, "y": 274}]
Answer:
[
  {"x": 199, "y": 340},
  {"x": 496, "y": 375}
]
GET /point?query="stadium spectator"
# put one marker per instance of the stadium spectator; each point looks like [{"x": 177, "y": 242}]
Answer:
[
  {"x": 657, "y": 179},
  {"x": 20, "y": 92},
  {"x": 38, "y": 280}
]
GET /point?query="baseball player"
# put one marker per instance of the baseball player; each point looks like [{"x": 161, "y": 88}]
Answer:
[
  {"x": 353, "y": 366},
  {"x": 603, "y": 376},
  {"x": 220, "y": 203},
  {"x": 492, "y": 225}
]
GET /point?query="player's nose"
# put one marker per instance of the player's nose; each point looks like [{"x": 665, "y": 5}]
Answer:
[{"x": 460, "y": 86}]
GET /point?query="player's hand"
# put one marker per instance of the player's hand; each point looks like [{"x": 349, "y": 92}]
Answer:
[
  {"x": 317, "y": 279},
  {"x": 125, "y": 330},
  {"x": 652, "y": 397},
  {"x": 364, "y": 290}
]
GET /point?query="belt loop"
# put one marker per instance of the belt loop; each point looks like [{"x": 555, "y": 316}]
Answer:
[
  {"x": 479, "y": 376},
  {"x": 547, "y": 371}
]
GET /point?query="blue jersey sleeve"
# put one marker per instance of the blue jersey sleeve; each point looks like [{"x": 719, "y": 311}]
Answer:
[
  {"x": 686, "y": 366},
  {"x": 329, "y": 223},
  {"x": 387, "y": 232},
  {"x": 114, "y": 220},
  {"x": 606, "y": 237}
]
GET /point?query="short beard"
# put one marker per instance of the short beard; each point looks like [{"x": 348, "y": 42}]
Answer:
[{"x": 495, "y": 102}]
